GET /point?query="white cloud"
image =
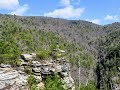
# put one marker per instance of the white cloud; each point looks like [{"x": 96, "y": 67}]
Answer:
[
  {"x": 20, "y": 10},
  {"x": 112, "y": 17},
  {"x": 96, "y": 21},
  {"x": 68, "y": 11},
  {"x": 13, "y": 6},
  {"x": 8, "y": 4}
]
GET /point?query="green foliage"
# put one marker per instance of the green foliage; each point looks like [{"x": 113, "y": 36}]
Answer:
[
  {"x": 34, "y": 87},
  {"x": 53, "y": 83},
  {"x": 28, "y": 71},
  {"x": 24, "y": 40},
  {"x": 56, "y": 54},
  {"x": 32, "y": 82},
  {"x": 54, "y": 46},
  {"x": 109, "y": 60},
  {"x": 88, "y": 87},
  {"x": 29, "y": 34},
  {"x": 43, "y": 54},
  {"x": 9, "y": 52},
  {"x": 18, "y": 62}
]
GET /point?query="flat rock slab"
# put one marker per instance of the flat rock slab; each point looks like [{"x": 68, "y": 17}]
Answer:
[
  {"x": 26, "y": 57},
  {"x": 10, "y": 77}
]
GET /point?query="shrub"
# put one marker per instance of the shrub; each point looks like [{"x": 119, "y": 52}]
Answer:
[
  {"x": 18, "y": 62},
  {"x": 90, "y": 86},
  {"x": 34, "y": 87},
  {"x": 9, "y": 52},
  {"x": 32, "y": 82},
  {"x": 53, "y": 83},
  {"x": 43, "y": 54}
]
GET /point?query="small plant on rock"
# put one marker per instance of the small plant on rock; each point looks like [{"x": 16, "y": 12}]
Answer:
[
  {"x": 32, "y": 83},
  {"x": 28, "y": 70}
]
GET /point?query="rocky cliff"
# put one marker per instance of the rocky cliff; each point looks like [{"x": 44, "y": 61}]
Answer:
[{"x": 16, "y": 78}]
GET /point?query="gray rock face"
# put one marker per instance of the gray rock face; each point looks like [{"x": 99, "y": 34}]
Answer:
[
  {"x": 36, "y": 70},
  {"x": 45, "y": 70},
  {"x": 64, "y": 74},
  {"x": 36, "y": 64},
  {"x": 5, "y": 65},
  {"x": 7, "y": 78},
  {"x": 38, "y": 78},
  {"x": 27, "y": 57},
  {"x": 10, "y": 77},
  {"x": 37, "y": 74},
  {"x": 22, "y": 80},
  {"x": 23, "y": 63},
  {"x": 33, "y": 55},
  {"x": 68, "y": 83},
  {"x": 58, "y": 68},
  {"x": 65, "y": 67},
  {"x": 116, "y": 87}
]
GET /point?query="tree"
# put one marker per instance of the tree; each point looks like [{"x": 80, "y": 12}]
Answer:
[{"x": 53, "y": 83}]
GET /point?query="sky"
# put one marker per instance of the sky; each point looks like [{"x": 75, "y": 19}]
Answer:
[{"x": 101, "y": 12}]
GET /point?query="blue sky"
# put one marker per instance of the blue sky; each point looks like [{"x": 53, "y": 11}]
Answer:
[{"x": 96, "y": 11}]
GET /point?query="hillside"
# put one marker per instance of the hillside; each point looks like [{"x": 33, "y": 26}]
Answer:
[
  {"x": 82, "y": 41},
  {"x": 75, "y": 31}
]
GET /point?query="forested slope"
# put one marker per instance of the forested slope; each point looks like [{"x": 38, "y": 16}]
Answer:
[{"x": 83, "y": 42}]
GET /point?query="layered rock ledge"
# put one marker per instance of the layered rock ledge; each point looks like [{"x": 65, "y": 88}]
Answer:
[{"x": 16, "y": 78}]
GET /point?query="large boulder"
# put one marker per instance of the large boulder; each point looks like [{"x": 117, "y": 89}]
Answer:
[
  {"x": 36, "y": 64},
  {"x": 27, "y": 57},
  {"x": 5, "y": 65},
  {"x": 33, "y": 55}
]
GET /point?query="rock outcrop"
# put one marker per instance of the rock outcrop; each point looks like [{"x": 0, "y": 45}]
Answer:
[
  {"x": 28, "y": 57},
  {"x": 10, "y": 78},
  {"x": 17, "y": 78}
]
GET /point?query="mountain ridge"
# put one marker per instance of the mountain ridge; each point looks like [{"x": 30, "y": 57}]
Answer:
[{"x": 90, "y": 44}]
